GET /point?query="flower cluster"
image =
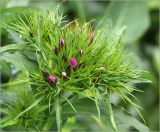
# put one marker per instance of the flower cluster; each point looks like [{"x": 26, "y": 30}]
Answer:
[{"x": 72, "y": 63}]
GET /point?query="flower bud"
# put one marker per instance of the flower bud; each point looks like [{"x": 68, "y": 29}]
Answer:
[
  {"x": 52, "y": 79},
  {"x": 61, "y": 42},
  {"x": 45, "y": 73},
  {"x": 64, "y": 74},
  {"x": 56, "y": 50},
  {"x": 73, "y": 62},
  {"x": 65, "y": 58}
]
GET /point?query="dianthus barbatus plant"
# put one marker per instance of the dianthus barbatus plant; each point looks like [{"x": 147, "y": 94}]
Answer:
[{"x": 74, "y": 60}]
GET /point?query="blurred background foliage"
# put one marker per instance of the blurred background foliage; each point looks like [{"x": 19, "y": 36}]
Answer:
[{"x": 141, "y": 17}]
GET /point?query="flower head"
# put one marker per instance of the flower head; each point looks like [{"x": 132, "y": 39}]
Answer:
[
  {"x": 52, "y": 79},
  {"x": 61, "y": 42},
  {"x": 73, "y": 62}
]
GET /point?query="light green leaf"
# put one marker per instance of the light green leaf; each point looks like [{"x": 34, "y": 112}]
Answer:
[
  {"x": 19, "y": 60},
  {"x": 127, "y": 120},
  {"x": 123, "y": 120},
  {"x": 132, "y": 14},
  {"x": 9, "y": 123},
  {"x": 15, "y": 47}
]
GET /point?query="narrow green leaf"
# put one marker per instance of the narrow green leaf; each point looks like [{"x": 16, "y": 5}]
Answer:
[
  {"x": 111, "y": 115},
  {"x": 58, "y": 113},
  {"x": 9, "y": 123},
  {"x": 3, "y": 110},
  {"x": 30, "y": 107},
  {"x": 96, "y": 95},
  {"x": 14, "y": 83},
  {"x": 69, "y": 102}
]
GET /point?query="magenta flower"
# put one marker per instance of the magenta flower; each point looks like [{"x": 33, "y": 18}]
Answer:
[
  {"x": 61, "y": 42},
  {"x": 52, "y": 79},
  {"x": 73, "y": 62}
]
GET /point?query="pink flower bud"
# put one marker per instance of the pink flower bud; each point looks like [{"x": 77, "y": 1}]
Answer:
[
  {"x": 64, "y": 74},
  {"x": 73, "y": 62},
  {"x": 52, "y": 79},
  {"x": 61, "y": 42}
]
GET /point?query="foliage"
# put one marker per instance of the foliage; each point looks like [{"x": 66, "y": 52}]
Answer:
[
  {"x": 23, "y": 56},
  {"x": 73, "y": 60}
]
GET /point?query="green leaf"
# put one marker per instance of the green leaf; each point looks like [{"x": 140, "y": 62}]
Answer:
[
  {"x": 5, "y": 67},
  {"x": 15, "y": 47},
  {"x": 132, "y": 14},
  {"x": 58, "y": 113},
  {"x": 127, "y": 120},
  {"x": 19, "y": 60},
  {"x": 30, "y": 107},
  {"x": 111, "y": 115},
  {"x": 9, "y": 123},
  {"x": 123, "y": 120}
]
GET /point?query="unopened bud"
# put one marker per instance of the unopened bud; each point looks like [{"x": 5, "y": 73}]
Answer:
[
  {"x": 73, "y": 62},
  {"x": 64, "y": 74},
  {"x": 61, "y": 42},
  {"x": 56, "y": 50},
  {"x": 52, "y": 79}
]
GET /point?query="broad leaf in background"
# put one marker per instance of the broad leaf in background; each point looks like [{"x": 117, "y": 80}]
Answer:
[
  {"x": 125, "y": 119},
  {"x": 19, "y": 60},
  {"x": 132, "y": 14},
  {"x": 86, "y": 118},
  {"x": 6, "y": 72},
  {"x": 14, "y": 47}
]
